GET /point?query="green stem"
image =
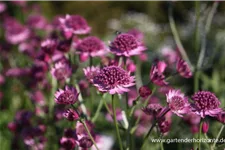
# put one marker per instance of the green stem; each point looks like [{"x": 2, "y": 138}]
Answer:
[
  {"x": 80, "y": 98},
  {"x": 197, "y": 14},
  {"x": 147, "y": 135},
  {"x": 210, "y": 16},
  {"x": 91, "y": 61},
  {"x": 89, "y": 134},
  {"x": 199, "y": 135},
  {"x": 177, "y": 38},
  {"x": 138, "y": 74},
  {"x": 153, "y": 125},
  {"x": 161, "y": 143},
  {"x": 115, "y": 122},
  {"x": 196, "y": 82},
  {"x": 99, "y": 108},
  {"x": 218, "y": 136},
  {"x": 139, "y": 117}
]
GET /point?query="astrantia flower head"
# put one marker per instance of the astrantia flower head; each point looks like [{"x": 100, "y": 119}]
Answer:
[
  {"x": 126, "y": 45},
  {"x": 153, "y": 109},
  {"x": 61, "y": 71},
  {"x": 67, "y": 96},
  {"x": 49, "y": 46},
  {"x": 206, "y": 103},
  {"x": 75, "y": 24},
  {"x": 156, "y": 76},
  {"x": 137, "y": 34},
  {"x": 183, "y": 69},
  {"x": 67, "y": 143},
  {"x": 90, "y": 72},
  {"x": 37, "y": 21},
  {"x": 91, "y": 46},
  {"x": 17, "y": 33},
  {"x": 71, "y": 115},
  {"x": 144, "y": 91},
  {"x": 177, "y": 102},
  {"x": 113, "y": 79}
]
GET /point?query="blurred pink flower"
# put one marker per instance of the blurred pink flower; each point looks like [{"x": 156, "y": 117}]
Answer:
[
  {"x": 91, "y": 46},
  {"x": 67, "y": 96},
  {"x": 126, "y": 45},
  {"x": 74, "y": 24},
  {"x": 156, "y": 76},
  {"x": 183, "y": 69},
  {"x": 137, "y": 34},
  {"x": 61, "y": 71}
]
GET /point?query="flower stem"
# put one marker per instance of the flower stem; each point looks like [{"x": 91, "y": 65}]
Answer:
[
  {"x": 197, "y": 15},
  {"x": 89, "y": 134},
  {"x": 115, "y": 122},
  {"x": 218, "y": 136},
  {"x": 153, "y": 125},
  {"x": 99, "y": 108},
  {"x": 177, "y": 38},
  {"x": 199, "y": 135}
]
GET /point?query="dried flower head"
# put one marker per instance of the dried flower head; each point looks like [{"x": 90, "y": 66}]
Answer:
[
  {"x": 206, "y": 103},
  {"x": 126, "y": 45},
  {"x": 67, "y": 96}
]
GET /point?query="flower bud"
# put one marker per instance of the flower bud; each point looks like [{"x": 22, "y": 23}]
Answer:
[
  {"x": 205, "y": 127},
  {"x": 144, "y": 91}
]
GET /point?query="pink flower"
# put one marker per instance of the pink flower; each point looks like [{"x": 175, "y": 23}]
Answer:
[
  {"x": 144, "y": 91},
  {"x": 37, "y": 21},
  {"x": 161, "y": 65},
  {"x": 64, "y": 46},
  {"x": 2, "y": 79},
  {"x": 192, "y": 118},
  {"x": 137, "y": 34},
  {"x": 71, "y": 115},
  {"x": 49, "y": 46},
  {"x": 61, "y": 71},
  {"x": 183, "y": 69},
  {"x": 126, "y": 45},
  {"x": 113, "y": 79},
  {"x": 153, "y": 109},
  {"x": 156, "y": 75},
  {"x": 130, "y": 65},
  {"x": 205, "y": 127},
  {"x": 67, "y": 143},
  {"x": 221, "y": 117},
  {"x": 67, "y": 96},
  {"x": 17, "y": 33},
  {"x": 91, "y": 46},
  {"x": 2, "y": 7},
  {"x": 206, "y": 103},
  {"x": 169, "y": 54},
  {"x": 90, "y": 72},
  {"x": 177, "y": 102},
  {"x": 74, "y": 24}
]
